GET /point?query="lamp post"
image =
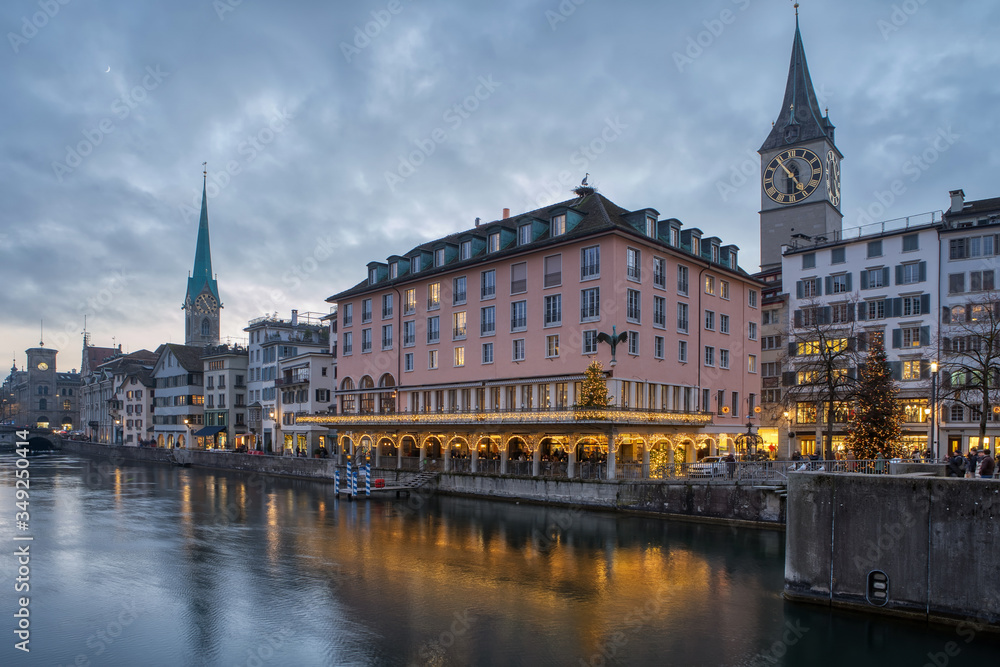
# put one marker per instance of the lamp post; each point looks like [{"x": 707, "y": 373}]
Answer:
[{"x": 933, "y": 438}]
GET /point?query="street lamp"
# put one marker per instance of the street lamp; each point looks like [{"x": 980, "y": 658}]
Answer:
[{"x": 933, "y": 438}]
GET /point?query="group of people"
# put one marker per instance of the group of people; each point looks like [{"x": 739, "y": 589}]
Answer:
[{"x": 974, "y": 464}]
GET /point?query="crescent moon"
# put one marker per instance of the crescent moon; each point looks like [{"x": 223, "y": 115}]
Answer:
[{"x": 108, "y": 69}]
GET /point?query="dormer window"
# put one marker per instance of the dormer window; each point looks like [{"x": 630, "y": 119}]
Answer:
[
  {"x": 393, "y": 270},
  {"x": 695, "y": 246},
  {"x": 494, "y": 242},
  {"x": 651, "y": 227},
  {"x": 415, "y": 264},
  {"x": 674, "y": 236},
  {"x": 732, "y": 260},
  {"x": 558, "y": 225},
  {"x": 439, "y": 257},
  {"x": 524, "y": 234},
  {"x": 372, "y": 276},
  {"x": 465, "y": 250},
  {"x": 715, "y": 254}
]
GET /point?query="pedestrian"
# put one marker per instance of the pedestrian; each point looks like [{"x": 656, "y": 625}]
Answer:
[
  {"x": 879, "y": 463},
  {"x": 970, "y": 463},
  {"x": 956, "y": 465},
  {"x": 730, "y": 465},
  {"x": 987, "y": 466}
]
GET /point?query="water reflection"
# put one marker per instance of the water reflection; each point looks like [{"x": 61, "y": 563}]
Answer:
[{"x": 228, "y": 566}]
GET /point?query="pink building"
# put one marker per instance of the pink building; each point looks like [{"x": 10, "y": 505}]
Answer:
[{"x": 475, "y": 345}]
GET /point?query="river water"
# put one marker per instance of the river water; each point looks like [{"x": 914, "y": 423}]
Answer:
[{"x": 152, "y": 565}]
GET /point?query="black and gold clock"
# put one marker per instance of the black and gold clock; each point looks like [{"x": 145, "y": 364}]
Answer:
[
  {"x": 792, "y": 175},
  {"x": 204, "y": 304},
  {"x": 833, "y": 178}
]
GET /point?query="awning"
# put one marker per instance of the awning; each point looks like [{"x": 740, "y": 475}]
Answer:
[{"x": 209, "y": 430}]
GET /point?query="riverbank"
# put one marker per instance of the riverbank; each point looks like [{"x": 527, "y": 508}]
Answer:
[{"x": 713, "y": 501}]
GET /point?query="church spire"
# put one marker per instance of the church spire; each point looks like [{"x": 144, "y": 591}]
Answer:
[
  {"x": 800, "y": 118},
  {"x": 201, "y": 276}
]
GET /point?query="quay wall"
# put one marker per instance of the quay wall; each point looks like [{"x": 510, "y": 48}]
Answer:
[
  {"x": 934, "y": 538},
  {"x": 699, "y": 500}
]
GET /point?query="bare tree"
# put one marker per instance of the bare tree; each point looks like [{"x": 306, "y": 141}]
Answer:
[
  {"x": 970, "y": 356},
  {"x": 822, "y": 361}
]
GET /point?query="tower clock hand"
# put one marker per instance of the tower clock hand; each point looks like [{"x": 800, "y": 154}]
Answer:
[{"x": 792, "y": 176}]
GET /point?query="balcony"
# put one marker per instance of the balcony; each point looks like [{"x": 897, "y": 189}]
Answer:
[
  {"x": 569, "y": 416},
  {"x": 292, "y": 378}
]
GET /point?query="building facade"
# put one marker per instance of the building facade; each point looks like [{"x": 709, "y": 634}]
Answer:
[
  {"x": 844, "y": 295},
  {"x": 180, "y": 396},
  {"x": 969, "y": 321},
  {"x": 273, "y": 340},
  {"x": 225, "y": 373},
  {"x": 305, "y": 386},
  {"x": 480, "y": 340},
  {"x": 39, "y": 396}
]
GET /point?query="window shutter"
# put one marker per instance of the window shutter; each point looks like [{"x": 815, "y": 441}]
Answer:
[
  {"x": 862, "y": 341},
  {"x": 885, "y": 275},
  {"x": 862, "y": 310},
  {"x": 829, "y": 285},
  {"x": 925, "y": 369},
  {"x": 817, "y": 287},
  {"x": 925, "y": 304},
  {"x": 897, "y": 338},
  {"x": 946, "y": 315},
  {"x": 899, "y": 274},
  {"x": 850, "y": 313},
  {"x": 864, "y": 280},
  {"x": 852, "y": 344},
  {"x": 849, "y": 288},
  {"x": 947, "y": 345},
  {"x": 788, "y": 379},
  {"x": 897, "y": 369},
  {"x": 852, "y": 372},
  {"x": 925, "y": 336},
  {"x": 792, "y": 349},
  {"x": 968, "y": 312},
  {"x": 897, "y": 307},
  {"x": 827, "y": 314},
  {"x": 799, "y": 291},
  {"x": 798, "y": 318},
  {"x": 923, "y": 271}
]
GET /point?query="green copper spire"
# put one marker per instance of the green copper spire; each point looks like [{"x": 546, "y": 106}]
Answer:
[{"x": 202, "y": 273}]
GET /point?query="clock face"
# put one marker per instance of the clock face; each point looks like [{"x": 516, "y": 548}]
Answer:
[
  {"x": 833, "y": 178},
  {"x": 792, "y": 175},
  {"x": 42, "y": 366},
  {"x": 204, "y": 304}
]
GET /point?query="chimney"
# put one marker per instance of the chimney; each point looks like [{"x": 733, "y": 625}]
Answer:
[
  {"x": 477, "y": 222},
  {"x": 957, "y": 201},
  {"x": 506, "y": 213},
  {"x": 295, "y": 317}
]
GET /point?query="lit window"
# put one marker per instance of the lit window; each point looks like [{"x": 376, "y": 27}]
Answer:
[
  {"x": 709, "y": 285},
  {"x": 432, "y": 359},
  {"x": 433, "y": 296},
  {"x": 552, "y": 346},
  {"x": 459, "y": 356},
  {"x": 752, "y": 363},
  {"x": 558, "y": 225},
  {"x": 493, "y": 242}
]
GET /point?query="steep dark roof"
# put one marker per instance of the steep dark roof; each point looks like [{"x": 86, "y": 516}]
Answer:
[
  {"x": 189, "y": 356},
  {"x": 807, "y": 122},
  {"x": 598, "y": 214}
]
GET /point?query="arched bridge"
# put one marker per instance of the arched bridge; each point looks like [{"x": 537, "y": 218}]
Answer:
[{"x": 39, "y": 439}]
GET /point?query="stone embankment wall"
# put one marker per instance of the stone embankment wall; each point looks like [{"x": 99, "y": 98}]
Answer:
[
  {"x": 714, "y": 500},
  {"x": 934, "y": 538}
]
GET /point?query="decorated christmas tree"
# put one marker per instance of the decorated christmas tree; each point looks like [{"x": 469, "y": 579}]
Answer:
[
  {"x": 594, "y": 391},
  {"x": 877, "y": 422}
]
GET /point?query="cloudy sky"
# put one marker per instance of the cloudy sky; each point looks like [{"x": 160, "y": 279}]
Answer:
[{"x": 340, "y": 132}]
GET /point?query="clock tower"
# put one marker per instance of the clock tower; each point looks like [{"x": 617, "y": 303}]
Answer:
[
  {"x": 800, "y": 167},
  {"x": 201, "y": 304}
]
